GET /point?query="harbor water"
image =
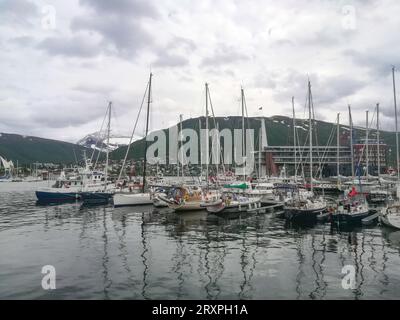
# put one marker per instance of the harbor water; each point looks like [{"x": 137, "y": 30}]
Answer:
[{"x": 143, "y": 253}]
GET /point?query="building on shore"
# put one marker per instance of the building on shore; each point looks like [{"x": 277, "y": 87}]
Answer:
[{"x": 273, "y": 158}]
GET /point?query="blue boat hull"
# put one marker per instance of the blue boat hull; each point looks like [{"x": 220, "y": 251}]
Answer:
[
  {"x": 346, "y": 218},
  {"x": 96, "y": 197},
  {"x": 46, "y": 197}
]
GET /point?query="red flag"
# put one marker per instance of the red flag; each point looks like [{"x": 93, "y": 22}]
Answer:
[{"x": 353, "y": 192}]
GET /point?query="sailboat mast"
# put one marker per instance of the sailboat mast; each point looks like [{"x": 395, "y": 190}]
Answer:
[
  {"x": 337, "y": 149},
  {"x": 351, "y": 142},
  {"x": 201, "y": 153},
  {"x": 147, "y": 130},
  {"x": 243, "y": 139},
  {"x": 108, "y": 143},
  {"x": 294, "y": 142},
  {"x": 207, "y": 136},
  {"x": 310, "y": 127},
  {"x": 366, "y": 146},
  {"x": 181, "y": 139},
  {"x": 397, "y": 131},
  {"x": 378, "y": 140},
  {"x": 259, "y": 153}
]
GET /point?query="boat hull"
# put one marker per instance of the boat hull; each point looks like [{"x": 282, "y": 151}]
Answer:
[
  {"x": 93, "y": 198},
  {"x": 350, "y": 217},
  {"x": 186, "y": 206},
  {"x": 223, "y": 208},
  {"x": 384, "y": 220},
  {"x": 294, "y": 214},
  {"x": 131, "y": 199},
  {"x": 48, "y": 196},
  {"x": 391, "y": 219}
]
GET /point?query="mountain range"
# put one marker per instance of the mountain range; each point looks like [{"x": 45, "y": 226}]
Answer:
[
  {"x": 279, "y": 132},
  {"x": 27, "y": 149}
]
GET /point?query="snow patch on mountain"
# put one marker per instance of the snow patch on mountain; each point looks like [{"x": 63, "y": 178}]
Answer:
[{"x": 99, "y": 141}]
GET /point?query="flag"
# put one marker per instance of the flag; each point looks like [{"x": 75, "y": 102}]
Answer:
[{"x": 353, "y": 192}]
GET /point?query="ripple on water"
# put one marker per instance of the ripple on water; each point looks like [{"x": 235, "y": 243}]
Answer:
[{"x": 138, "y": 253}]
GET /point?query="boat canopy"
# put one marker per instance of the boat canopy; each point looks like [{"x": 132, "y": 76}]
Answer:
[{"x": 237, "y": 185}]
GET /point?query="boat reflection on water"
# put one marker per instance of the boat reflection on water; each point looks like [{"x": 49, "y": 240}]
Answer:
[
  {"x": 392, "y": 237},
  {"x": 146, "y": 253}
]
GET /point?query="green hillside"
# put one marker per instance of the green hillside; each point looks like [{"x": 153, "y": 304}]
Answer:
[
  {"x": 279, "y": 132},
  {"x": 27, "y": 150}
]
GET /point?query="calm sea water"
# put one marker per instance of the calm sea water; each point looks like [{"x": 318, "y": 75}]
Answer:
[{"x": 142, "y": 253}]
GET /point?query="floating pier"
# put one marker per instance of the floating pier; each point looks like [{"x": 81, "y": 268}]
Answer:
[{"x": 370, "y": 219}]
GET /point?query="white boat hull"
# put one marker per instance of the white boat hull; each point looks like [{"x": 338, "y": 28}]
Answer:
[
  {"x": 131, "y": 199},
  {"x": 391, "y": 217},
  {"x": 186, "y": 206}
]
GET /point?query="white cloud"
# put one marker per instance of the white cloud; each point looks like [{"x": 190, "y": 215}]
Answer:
[{"x": 56, "y": 83}]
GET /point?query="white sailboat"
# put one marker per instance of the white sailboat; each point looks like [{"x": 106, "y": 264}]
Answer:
[
  {"x": 299, "y": 209},
  {"x": 390, "y": 216},
  {"x": 125, "y": 197}
]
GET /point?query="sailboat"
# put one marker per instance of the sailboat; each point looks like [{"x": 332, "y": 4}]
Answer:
[
  {"x": 100, "y": 194},
  {"x": 352, "y": 209},
  {"x": 190, "y": 197},
  {"x": 300, "y": 208},
  {"x": 390, "y": 215},
  {"x": 128, "y": 198},
  {"x": 237, "y": 196}
]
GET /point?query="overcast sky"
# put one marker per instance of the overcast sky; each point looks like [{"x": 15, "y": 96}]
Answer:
[{"x": 62, "y": 61}]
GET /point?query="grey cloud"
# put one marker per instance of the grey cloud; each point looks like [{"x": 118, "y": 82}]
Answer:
[
  {"x": 93, "y": 89},
  {"x": 126, "y": 35},
  {"x": 175, "y": 53},
  {"x": 132, "y": 8},
  {"x": 326, "y": 89},
  {"x": 18, "y": 9},
  {"x": 378, "y": 60},
  {"x": 224, "y": 55},
  {"x": 55, "y": 114},
  {"x": 170, "y": 60},
  {"x": 76, "y": 46},
  {"x": 180, "y": 42},
  {"x": 331, "y": 89},
  {"x": 266, "y": 79},
  {"x": 22, "y": 41}
]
